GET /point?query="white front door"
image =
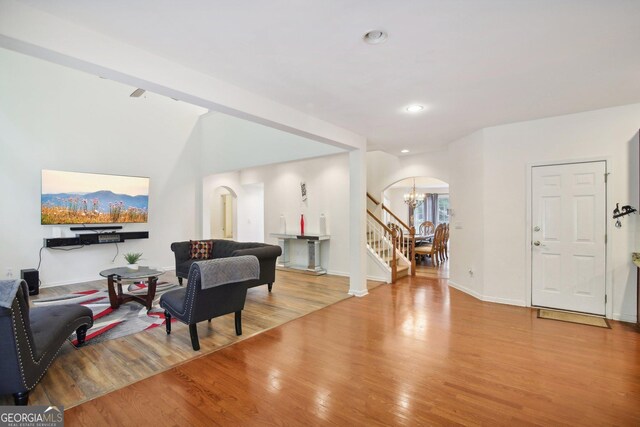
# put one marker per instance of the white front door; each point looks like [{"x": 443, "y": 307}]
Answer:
[{"x": 568, "y": 237}]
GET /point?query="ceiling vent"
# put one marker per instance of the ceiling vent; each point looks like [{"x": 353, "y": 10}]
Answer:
[{"x": 137, "y": 93}]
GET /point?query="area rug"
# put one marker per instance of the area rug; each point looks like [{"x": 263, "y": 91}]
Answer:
[
  {"x": 583, "y": 319},
  {"x": 109, "y": 323}
]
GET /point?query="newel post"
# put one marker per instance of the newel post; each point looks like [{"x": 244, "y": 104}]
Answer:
[
  {"x": 412, "y": 247},
  {"x": 394, "y": 269}
]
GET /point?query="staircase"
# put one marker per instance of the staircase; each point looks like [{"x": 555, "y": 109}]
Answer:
[{"x": 390, "y": 244}]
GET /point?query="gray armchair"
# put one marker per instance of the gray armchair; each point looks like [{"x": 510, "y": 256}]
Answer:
[
  {"x": 216, "y": 287},
  {"x": 31, "y": 338}
]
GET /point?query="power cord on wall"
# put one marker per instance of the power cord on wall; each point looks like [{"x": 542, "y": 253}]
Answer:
[
  {"x": 39, "y": 262},
  {"x": 116, "y": 255},
  {"x": 67, "y": 250},
  {"x": 55, "y": 249},
  {"x": 40, "y": 258}
]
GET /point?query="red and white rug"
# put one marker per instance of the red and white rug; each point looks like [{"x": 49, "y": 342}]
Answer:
[{"x": 109, "y": 323}]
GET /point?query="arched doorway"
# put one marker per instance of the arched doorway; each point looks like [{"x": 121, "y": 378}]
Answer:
[
  {"x": 432, "y": 196},
  {"x": 433, "y": 192},
  {"x": 223, "y": 213}
]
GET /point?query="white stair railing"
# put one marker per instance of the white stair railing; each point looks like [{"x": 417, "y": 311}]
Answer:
[
  {"x": 382, "y": 241},
  {"x": 404, "y": 234}
]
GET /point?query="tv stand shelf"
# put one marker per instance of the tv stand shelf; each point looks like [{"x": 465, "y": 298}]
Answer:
[{"x": 86, "y": 239}]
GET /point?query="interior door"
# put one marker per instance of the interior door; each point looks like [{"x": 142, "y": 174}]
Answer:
[{"x": 568, "y": 237}]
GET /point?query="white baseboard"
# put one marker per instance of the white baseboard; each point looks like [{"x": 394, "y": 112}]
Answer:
[
  {"x": 507, "y": 301},
  {"x": 358, "y": 293},
  {"x": 338, "y": 273},
  {"x": 378, "y": 279},
  {"x": 625, "y": 317},
  {"x": 464, "y": 289},
  {"x": 487, "y": 298}
]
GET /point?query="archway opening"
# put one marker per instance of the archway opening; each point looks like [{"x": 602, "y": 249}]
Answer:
[
  {"x": 431, "y": 205},
  {"x": 223, "y": 213},
  {"x": 433, "y": 194}
]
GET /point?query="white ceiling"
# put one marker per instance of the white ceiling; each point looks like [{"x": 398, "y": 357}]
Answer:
[{"x": 472, "y": 63}]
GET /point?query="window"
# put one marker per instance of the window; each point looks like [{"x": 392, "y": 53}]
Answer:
[
  {"x": 443, "y": 208},
  {"x": 435, "y": 208},
  {"x": 419, "y": 215}
]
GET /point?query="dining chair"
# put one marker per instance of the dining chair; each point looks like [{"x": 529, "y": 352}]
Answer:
[
  {"x": 445, "y": 241},
  {"x": 432, "y": 250},
  {"x": 426, "y": 228}
]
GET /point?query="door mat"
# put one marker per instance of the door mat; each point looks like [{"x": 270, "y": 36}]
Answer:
[
  {"x": 130, "y": 318},
  {"x": 583, "y": 319}
]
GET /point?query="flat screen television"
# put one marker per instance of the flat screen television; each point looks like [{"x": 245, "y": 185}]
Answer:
[{"x": 89, "y": 198}]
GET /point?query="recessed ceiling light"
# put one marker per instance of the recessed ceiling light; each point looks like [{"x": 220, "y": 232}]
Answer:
[
  {"x": 414, "y": 108},
  {"x": 374, "y": 36},
  {"x": 404, "y": 151}
]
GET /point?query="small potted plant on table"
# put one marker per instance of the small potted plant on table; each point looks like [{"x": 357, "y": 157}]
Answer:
[{"x": 132, "y": 259}]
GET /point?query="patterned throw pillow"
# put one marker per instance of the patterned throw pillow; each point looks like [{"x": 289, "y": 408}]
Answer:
[{"x": 201, "y": 249}]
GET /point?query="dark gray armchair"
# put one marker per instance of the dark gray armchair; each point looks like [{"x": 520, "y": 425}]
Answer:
[
  {"x": 266, "y": 254},
  {"x": 216, "y": 287},
  {"x": 31, "y": 338}
]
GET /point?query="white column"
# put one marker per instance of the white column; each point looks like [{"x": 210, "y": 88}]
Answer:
[{"x": 358, "y": 222}]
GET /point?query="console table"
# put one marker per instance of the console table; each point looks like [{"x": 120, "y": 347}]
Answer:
[{"x": 313, "y": 252}]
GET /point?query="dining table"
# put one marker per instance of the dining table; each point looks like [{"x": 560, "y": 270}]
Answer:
[{"x": 420, "y": 238}]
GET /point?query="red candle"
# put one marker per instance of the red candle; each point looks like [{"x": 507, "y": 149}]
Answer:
[{"x": 302, "y": 225}]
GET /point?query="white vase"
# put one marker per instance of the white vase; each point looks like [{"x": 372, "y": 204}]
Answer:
[
  {"x": 283, "y": 225},
  {"x": 132, "y": 266},
  {"x": 323, "y": 225}
]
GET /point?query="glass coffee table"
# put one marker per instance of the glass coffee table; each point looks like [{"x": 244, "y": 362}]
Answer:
[{"x": 115, "y": 276}]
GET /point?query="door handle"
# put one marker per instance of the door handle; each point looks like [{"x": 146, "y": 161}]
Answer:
[{"x": 536, "y": 243}]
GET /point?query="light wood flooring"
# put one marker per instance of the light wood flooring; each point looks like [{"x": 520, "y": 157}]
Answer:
[
  {"x": 78, "y": 375},
  {"x": 413, "y": 353}
]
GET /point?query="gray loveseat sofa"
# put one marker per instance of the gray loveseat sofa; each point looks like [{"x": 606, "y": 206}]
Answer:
[{"x": 266, "y": 254}]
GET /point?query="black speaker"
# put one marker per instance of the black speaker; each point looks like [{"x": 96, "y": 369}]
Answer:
[{"x": 32, "y": 277}]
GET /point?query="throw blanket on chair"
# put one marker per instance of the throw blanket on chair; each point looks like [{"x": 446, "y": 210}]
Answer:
[
  {"x": 220, "y": 271},
  {"x": 8, "y": 290}
]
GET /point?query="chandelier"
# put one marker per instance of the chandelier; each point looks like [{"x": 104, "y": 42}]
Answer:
[{"x": 412, "y": 199}]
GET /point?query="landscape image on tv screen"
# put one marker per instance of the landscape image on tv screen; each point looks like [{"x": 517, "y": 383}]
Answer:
[{"x": 89, "y": 198}]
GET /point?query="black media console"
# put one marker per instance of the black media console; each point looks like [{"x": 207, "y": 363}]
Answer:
[{"x": 94, "y": 238}]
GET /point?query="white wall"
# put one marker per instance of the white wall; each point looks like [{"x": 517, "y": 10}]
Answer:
[
  {"x": 506, "y": 151},
  {"x": 52, "y": 117},
  {"x": 327, "y": 180},
  {"x": 397, "y": 204},
  {"x": 251, "y": 213},
  {"x": 467, "y": 195},
  {"x": 385, "y": 169},
  {"x": 230, "y": 144}
]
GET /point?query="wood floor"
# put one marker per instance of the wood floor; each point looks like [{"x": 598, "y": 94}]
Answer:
[
  {"x": 413, "y": 353},
  {"x": 78, "y": 375}
]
